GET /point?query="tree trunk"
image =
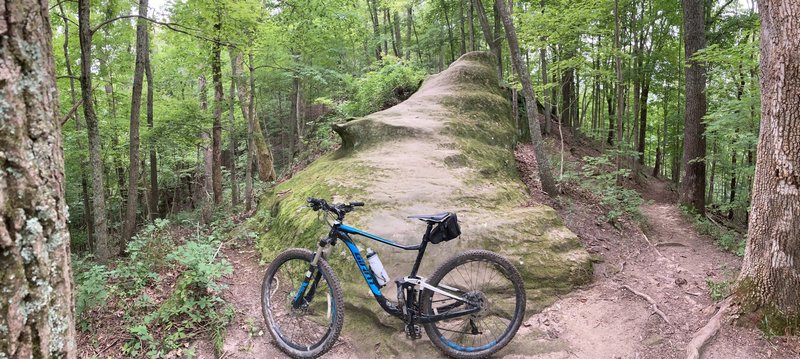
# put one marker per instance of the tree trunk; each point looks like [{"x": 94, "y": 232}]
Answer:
[
  {"x": 154, "y": 196},
  {"x": 497, "y": 37},
  {"x": 471, "y": 24},
  {"x": 640, "y": 147},
  {"x": 619, "y": 86},
  {"x": 693, "y": 185},
  {"x": 233, "y": 142},
  {"x": 36, "y": 302},
  {"x": 769, "y": 283},
  {"x": 87, "y": 208},
  {"x": 445, "y": 10},
  {"x": 263, "y": 154},
  {"x": 398, "y": 40},
  {"x": 103, "y": 248},
  {"x": 136, "y": 105},
  {"x": 372, "y": 6},
  {"x": 461, "y": 26},
  {"x": 203, "y": 190},
  {"x": 409, "y": 20},
  {"x": 216, "y": 129},
  {"x": 487, "y": 34},
  {"x": 548, "y": 184}
]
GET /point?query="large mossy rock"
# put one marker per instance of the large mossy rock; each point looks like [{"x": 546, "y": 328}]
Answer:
[{"x": 447, "y": 148}]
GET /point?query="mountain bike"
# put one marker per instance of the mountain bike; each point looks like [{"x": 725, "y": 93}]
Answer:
[{"x": 471, "y": 307}]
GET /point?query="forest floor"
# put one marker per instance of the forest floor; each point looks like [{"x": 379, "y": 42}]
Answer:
[{"x": 667, "y": 261}]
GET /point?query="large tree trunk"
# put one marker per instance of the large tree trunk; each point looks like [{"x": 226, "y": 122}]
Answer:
[
  {"x": 769, "y": 283},
  {"x": 548, "y": 184},
  {"x": 471, "y": 24},
  {"x": 693, "y": 184},
  {"x": 103, "y": 248},
  {"x": 449, "y": 26},
  {"x": 545, "y": 101},
  {"x": 36, "y": 302},
  {"x": 87, "y": 208},
  {"x": 640, "y": 147},
  {"x": 136, "y": 105}
]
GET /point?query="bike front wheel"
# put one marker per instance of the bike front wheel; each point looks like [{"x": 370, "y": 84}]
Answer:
[
  {"x": 492, "y": 283},
  {"x": 304, "y": 317}
]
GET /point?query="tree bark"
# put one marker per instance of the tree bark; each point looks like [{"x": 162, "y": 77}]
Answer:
[
  {"x": 103, "y": 248},
  {"x": 409, "y": 20},
  {"x": 154, "y": 195},
  {"x": 461, "y": 26},
  {"x": 769, "y": 282},
  {"x": 233, "y": 140},
  {"x": 398, "y": 40},
  {"x": 216, "y": 129},
  {"x": 471, "y": 24},
  {"x": 487, "y": 34},
  {"x": 36, "y": 301},
  {"x": 546, "y": 178},
  {"x": 619, "y": 86},
  {"x": 446, "y": 10},
  {"x": 136, "y": 105},
  {"x": 87, "y": 208},
  {"x": 372, "y": 6},
  {"x": 693, "y": 184}
]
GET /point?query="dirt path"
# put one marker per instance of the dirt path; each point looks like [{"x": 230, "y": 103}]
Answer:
[{"x": 672, "y": 264}]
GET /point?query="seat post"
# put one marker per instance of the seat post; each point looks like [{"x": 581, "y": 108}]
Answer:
[{"x": 421, "y": 250}]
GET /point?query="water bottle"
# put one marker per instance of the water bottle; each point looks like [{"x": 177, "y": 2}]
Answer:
[{"x": 377, "y": 268}]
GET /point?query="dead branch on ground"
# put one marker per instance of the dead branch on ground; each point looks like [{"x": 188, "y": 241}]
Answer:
[{"x": 649, "y": 300}]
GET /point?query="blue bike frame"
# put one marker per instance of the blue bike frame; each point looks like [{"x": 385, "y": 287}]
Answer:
[{"x": 343, "y": 232}]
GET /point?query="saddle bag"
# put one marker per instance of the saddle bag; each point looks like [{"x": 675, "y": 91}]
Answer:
[{"x": 445, "y": 231}]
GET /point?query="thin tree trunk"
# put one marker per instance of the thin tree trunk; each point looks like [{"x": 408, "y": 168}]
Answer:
[
  {"x": 461, "y": 26},
  {"x": 136, "y": 106},
  {"x": 471, "y": 23},
  {"x": 545, "y": 177},
  {"x": 619, "y": 86},
  {"x": 203, "y": 190},
  {"x": 103, "y": 248},
  {"x": 693, "y": 185},
  {"x": 409, "y": 20},
  {"x": 498, "y": 31},
  {"x": 487, "y": 34},
  {"x": 640, "y": 147},
  {"x": 372, "y": 6},
  {"x": 768, "y": 283},
  {"x": 154, "y": 195},
  {"x": 87, "y": 208},
  {"x": 36, "y": 300},
  {"x": 263, "y": 154},
  {"x": 398, "y": 40},
  {"x": 216, "y": 129},
  {"x": 233, "y": 139},
  {"x": 446, "y": 10}
]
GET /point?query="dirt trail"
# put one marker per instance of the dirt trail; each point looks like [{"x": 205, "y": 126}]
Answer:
[{"x": 671, "y": 263}]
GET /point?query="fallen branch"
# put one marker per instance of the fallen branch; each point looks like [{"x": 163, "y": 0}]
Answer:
[
  {"x": 649, "y": 300},
  {"x": 670, "y": 244},
  {"x": 654, "y": 247},
  {"x": 702, "y": 336}
]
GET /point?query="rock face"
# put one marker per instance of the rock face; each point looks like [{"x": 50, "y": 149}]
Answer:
[{"x": 447, "y": 148}]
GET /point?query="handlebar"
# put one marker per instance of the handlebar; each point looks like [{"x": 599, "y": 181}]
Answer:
[{"x": 338, "y": 209}]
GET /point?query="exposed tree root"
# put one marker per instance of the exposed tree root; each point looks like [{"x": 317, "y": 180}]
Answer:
[
  {"x": 702, "y": 336},
  {"x": 649, "y": 300}
]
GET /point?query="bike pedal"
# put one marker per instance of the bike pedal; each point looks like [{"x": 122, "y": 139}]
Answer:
[{"x": 413, "y": 332}]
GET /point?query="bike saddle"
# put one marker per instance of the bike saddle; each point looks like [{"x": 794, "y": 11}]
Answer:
[{"x": 432, "y": 218}]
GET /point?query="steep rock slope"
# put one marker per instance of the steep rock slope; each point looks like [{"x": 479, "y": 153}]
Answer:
[{"x": 447, "y": 148}]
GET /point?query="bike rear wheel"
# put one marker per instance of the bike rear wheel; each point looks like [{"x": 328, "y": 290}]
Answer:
[
  {"x": 304, "y": 319},
  {"x": 485, "y": 278}
]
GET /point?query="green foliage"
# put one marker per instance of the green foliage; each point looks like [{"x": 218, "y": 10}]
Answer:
[
  {"x": 386, "y": 84},
  {"x": 718, "y": 290},
  {"x": 91, "y": 288},
  {"x": 599, "y": 177},
  {"x": 726, "y": 238}
]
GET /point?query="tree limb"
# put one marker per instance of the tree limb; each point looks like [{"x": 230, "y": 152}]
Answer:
[
  {"x": 649, "y": 300},
  {"x": 71, "y": 112},
  {"x": 170, "y": 25}
]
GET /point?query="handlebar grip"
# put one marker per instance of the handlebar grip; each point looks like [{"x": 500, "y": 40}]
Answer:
[{"x": 357, "y": 204}]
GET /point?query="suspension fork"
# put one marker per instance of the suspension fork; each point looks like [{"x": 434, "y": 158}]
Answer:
[{"x": 313, "y": 271}]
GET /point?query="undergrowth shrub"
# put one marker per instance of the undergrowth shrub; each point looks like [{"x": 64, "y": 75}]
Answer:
[
  {"x": 599, "y": 176},
  {"x": 388, "y": 83},
  {"x": 728, "y": 239}
]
